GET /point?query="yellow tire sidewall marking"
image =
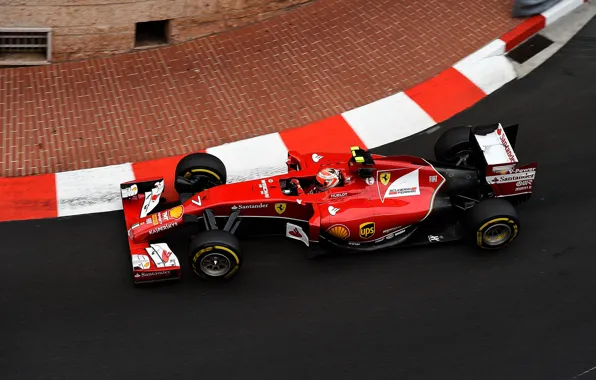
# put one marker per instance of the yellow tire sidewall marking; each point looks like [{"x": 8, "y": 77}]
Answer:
[
  {"x": 480, "y": 232},
  {"x": 198, "y": 254},
  {"x": 211, "y": 172}
]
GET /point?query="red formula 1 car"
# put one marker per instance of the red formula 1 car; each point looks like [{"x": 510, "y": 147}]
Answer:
[{"x": 329, "y": 202}]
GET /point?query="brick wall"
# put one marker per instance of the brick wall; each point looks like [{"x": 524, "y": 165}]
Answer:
[{"x": 92, "y": 28}]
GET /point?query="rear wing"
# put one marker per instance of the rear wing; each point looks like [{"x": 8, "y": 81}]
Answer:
[
  {"x": 151, "y": 261},
  {"x": 502, "y": 170}
]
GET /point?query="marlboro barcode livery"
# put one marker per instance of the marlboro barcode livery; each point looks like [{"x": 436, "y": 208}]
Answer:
[{"x": 329, "y": 202}]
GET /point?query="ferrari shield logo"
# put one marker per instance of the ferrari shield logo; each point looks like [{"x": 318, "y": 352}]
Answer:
[
  {"x": 385, "y": 177},
  {"x": 280, "y": 208}
]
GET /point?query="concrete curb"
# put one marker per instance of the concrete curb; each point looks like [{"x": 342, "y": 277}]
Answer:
[{"x": 383, "y": 121}]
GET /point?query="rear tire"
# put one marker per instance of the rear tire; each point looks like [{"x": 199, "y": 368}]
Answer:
[
  {"x": 197, "y": 165},
  {"x": 215, "y": 255},
  {"x": 454, "y": 147},
  {"x": 493, "y": 224}
]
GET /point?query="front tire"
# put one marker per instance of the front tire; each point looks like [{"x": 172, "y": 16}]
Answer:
[
  {"x": 493, "y": 224},
  {"x": 215, "y": 255},
  {"x": 202, "y": 170}
]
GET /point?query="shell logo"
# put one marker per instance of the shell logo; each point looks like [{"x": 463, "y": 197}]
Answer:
[
  {"x": 339, "y": 231},
  {"x": 176, "y": 212}
]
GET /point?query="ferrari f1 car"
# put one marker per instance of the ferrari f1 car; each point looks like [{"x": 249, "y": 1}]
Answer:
[{"x": 467, "y": 192}]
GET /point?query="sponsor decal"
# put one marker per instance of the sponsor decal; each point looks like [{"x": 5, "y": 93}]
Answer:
[
  {"x": 153, "y": 274},
  {"x": 165, "y": 256},
  {"x": 339, "y": 231},
  {"x": 400, "y": 231},
  {"x": 332, "y": 210},
  {"x": 162, "y": 228},
  {"x": 370, "y": 181},
  {"x": 432, "y": 178},
  {"x": 391, "y": 235},
  {"x": 152, "y": 198},
  {"x": 130, "y": 191},
  {"x": 524, "y": 183},
  {"x": 391, "y": 229},
  {"x": 198, "y": 201},
  {"x": 316, "y": 158},
  {"x": 264, "y": 188},
  {"x": 140, "y": 262},
  {"x": 244, "y": 207},
  {"x": 280, "y": 208},
  {"x": 432, "y": 238},
  {"x": 513, "y": 177},
  {"x": 506, "y": 145},
  {"x": 385, "y": 178},
  {"x": 297, "y": 233},
  {"x": 524, "y": 170},
  {"x": 353, "y": 243},
  {"x": 161, "y": 255},
  {"x": 154, "y": 219},
  {"x": 503, "y": 169},
  {"x": 367, "y": 230},
  {"x": 270, "y": 180},
  {"x": 405, "y": 185},
  {"x": 176, "y": 212},
  {"x": 339, "y": 195},
  {"x": 403, "y": 191}
]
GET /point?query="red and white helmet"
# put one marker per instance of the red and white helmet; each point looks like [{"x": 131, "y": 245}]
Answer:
[{"x": 327, "y": 178}]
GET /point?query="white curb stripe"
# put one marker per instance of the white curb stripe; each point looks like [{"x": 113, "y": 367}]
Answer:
[
  {"x": 493, "y": 49},
  {"x": 253, "y": 158},
  {"x": 489, "y": 74},
  {"x": 389, "y": 119},
  {"x": 560, "y": 9},
  {"x": 91, "y": 190}
]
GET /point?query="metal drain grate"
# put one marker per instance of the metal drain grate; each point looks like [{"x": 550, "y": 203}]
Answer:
[{"x": 530, "y": 48}]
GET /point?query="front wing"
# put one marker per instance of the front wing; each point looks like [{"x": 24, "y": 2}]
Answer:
[{"x": 151, "y": 261}]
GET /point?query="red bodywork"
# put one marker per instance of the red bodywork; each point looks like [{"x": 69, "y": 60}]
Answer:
[{"x": 400, "y": 193}]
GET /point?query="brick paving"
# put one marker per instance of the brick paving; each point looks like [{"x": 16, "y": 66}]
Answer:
[{"x": 316, "y": 61}]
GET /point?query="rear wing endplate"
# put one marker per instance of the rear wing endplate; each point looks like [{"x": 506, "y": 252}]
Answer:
[{"x": 497, "y": 145}]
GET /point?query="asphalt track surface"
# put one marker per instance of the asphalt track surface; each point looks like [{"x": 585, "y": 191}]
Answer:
[{"x": 69, "y": 310}]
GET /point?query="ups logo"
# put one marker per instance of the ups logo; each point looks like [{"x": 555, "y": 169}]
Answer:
[{"x": 367, "y": 230}]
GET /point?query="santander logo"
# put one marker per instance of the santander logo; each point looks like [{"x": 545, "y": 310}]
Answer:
[{"x": 506, "y": 145}]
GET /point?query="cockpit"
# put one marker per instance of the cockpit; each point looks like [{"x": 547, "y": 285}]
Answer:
[{"x": 326, "y": 179}]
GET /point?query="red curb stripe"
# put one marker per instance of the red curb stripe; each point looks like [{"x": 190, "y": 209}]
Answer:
[
  {"x": 332, "y": 135},
  {"x": 25, "y": 198},
  {"x": 523, "y": 31},
  {"x": 445, "y": 95}
]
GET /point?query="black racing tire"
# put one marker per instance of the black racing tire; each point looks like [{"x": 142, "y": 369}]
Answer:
[
  {"x": 200, "y": 164},
  {"x": 489, "y": 217},
  {"x": 454, "y": 144},
  {"x": 215, "y": 255}
]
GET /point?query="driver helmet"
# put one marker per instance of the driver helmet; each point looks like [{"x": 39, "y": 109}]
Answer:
[{"x": 327, "y": 179}]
